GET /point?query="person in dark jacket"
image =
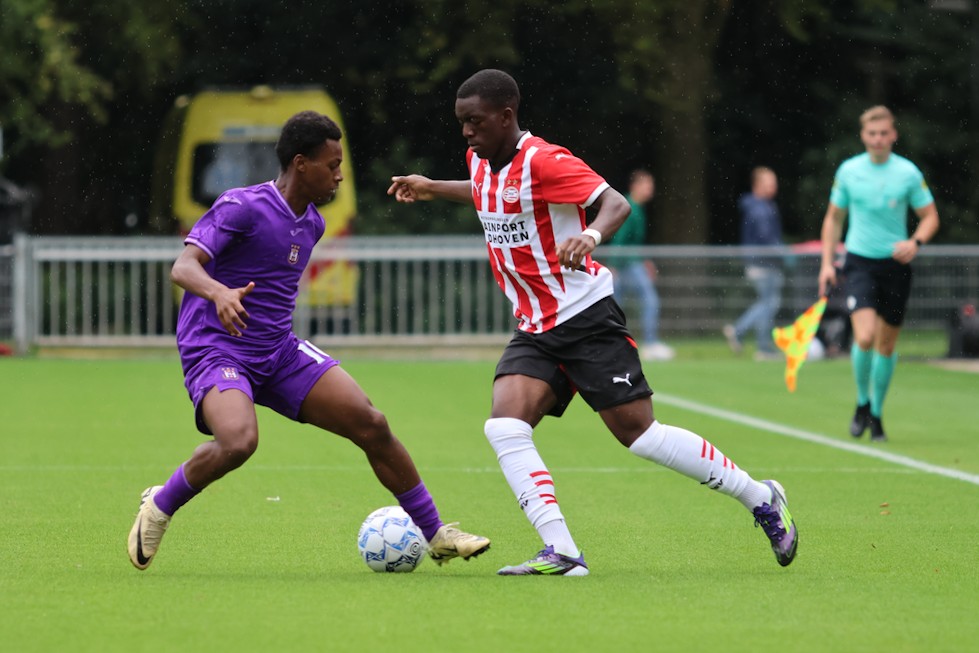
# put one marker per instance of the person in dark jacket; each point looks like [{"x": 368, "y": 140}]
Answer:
[{"x": 761, "y": 224}]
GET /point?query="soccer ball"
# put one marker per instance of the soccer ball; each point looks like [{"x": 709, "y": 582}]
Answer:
[{"x": 389, "y": 540}]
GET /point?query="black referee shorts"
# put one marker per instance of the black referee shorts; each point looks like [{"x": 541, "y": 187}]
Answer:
[
  {"x": 592, "y": 353},
  {"x": 882, "y": 284}
]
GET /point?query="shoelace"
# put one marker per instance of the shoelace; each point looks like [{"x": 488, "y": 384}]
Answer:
[
  {"x": 450, "y": 533},
  {"x": 768, "y": 518},
  {"x": 547, "y": 553},
  {"x": 455, "y": 533},
  {"x": 152, "y": 537}
]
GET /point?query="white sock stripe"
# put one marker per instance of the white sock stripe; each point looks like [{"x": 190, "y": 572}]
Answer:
[
  {"x": 524, "y": 470},
  {"x": 693, "y": 456}
]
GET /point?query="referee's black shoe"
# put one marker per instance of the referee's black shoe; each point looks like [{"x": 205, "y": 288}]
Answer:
[
  {"x": 877, "y": 430},
  {"x": 861, "y": 420}
]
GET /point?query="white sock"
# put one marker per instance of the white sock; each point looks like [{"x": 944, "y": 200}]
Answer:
[
  {"x": 531, "y": 482},
  {"x": 693, "y": 456}
]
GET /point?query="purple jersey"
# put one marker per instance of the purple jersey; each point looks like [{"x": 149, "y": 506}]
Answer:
[{"x": 250, "y": 234}]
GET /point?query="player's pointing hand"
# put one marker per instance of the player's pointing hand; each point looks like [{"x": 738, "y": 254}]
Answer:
[
  {"x": 231, "y": 311},
  {"x": 409, "y": 188}
]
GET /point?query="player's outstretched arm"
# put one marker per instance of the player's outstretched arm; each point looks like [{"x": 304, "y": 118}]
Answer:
[
  {"x": 409, "y": 188},
  {"x": 188, "y": 272}
]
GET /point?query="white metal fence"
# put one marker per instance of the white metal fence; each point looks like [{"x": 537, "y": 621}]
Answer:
[
  {"x": 106, "y": 291},
  {"x": 6, "y": 292}
]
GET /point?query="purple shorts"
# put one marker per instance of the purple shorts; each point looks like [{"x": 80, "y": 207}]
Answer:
[{"x": 279, "y": 381}]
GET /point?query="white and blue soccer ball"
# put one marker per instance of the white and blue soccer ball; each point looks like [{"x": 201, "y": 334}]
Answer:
[{"x": 389, "y": 541}]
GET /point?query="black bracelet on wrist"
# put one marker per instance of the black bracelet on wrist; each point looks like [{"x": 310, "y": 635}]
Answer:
[{"x": 918, "y": 242}]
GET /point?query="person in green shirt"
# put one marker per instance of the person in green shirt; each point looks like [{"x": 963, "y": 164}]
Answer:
[
  {"x": 635, "y": 276},
  {"x": 875, "y": 190}
]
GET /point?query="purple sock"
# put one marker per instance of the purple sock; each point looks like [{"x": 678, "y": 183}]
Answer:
[
  {"x": 175, "y": 493},
  {"x": 418, "y": 503}
]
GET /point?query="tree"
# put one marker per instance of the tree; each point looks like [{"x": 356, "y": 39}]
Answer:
[
  {"x": 665, "y": 54},
  {"x": 39, "y": 70},
  {"x": 916, "y": 60},
  {"x": 698, "y": 91},
  {"x": 65, "y": 93}
]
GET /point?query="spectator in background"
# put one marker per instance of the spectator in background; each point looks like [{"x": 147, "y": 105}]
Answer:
[
  {"x": 635, "y": 276},
  {"x": 761, "y": 224}
]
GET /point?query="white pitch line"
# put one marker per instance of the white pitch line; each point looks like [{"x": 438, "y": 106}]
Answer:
[
  {"x": 816, "y": 438},
  {"x": 258, "y": 467}
]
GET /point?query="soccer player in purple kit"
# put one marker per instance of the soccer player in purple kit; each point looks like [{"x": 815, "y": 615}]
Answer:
[{"x": 241, "y": 268}]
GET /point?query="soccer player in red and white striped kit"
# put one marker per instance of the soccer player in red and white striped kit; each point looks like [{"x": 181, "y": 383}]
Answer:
[{"x": 531, "y": 196}]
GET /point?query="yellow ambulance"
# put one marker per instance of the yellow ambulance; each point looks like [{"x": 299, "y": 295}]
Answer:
[{"x": 225, "y": 138}]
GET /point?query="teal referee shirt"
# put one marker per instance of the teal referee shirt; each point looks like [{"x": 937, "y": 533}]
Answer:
[{"x": 877, "y": 197}]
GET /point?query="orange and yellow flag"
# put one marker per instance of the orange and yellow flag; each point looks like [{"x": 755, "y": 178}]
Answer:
[{"x": 794, "y": 340}]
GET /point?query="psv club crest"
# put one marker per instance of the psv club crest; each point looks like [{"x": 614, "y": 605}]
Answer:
[
  {"x": 511, "y": 191},
  {"x": 294, "y": 254}
]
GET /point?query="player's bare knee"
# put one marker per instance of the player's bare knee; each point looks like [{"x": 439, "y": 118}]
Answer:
[
  {"x": 237, "y": 447},
  {"x": 373, "y": 431},
  {"x": 626, "y": 426},
  {"x": 626, "y": 434},
  {"x": 241, "y": 451}
]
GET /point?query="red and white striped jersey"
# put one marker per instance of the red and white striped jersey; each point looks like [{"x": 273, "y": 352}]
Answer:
[{"x": 527, "y": 208}]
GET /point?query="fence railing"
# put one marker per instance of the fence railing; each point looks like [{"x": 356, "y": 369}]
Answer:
[
  {"x": 109, "y": 291},
  {"x": 6, "y": 292}
]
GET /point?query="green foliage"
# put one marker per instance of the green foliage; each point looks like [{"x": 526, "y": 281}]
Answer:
[
  {"x": 794, "y": 104},
  {"x": 39, "y": 67},
  {"x": 133, "y": 46},
  {"x": 898, "y": 49},
  {"x": 801, "y": 18},
  {"x": 378, "y": 214},
  {"x": 699, "y": 91}
]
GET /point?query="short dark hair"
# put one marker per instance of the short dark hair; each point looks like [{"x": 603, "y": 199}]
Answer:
[
  {"x": 493, "y": 86},
  {"x": 305, "y": 133}
]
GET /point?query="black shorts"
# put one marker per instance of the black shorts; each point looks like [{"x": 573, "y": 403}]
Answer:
[
  {"x": 592, "y": 353},
  {"x": 882, "y": 284}
]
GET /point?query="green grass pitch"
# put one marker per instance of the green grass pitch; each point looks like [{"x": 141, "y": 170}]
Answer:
[{"x": 266, "y": 559}]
